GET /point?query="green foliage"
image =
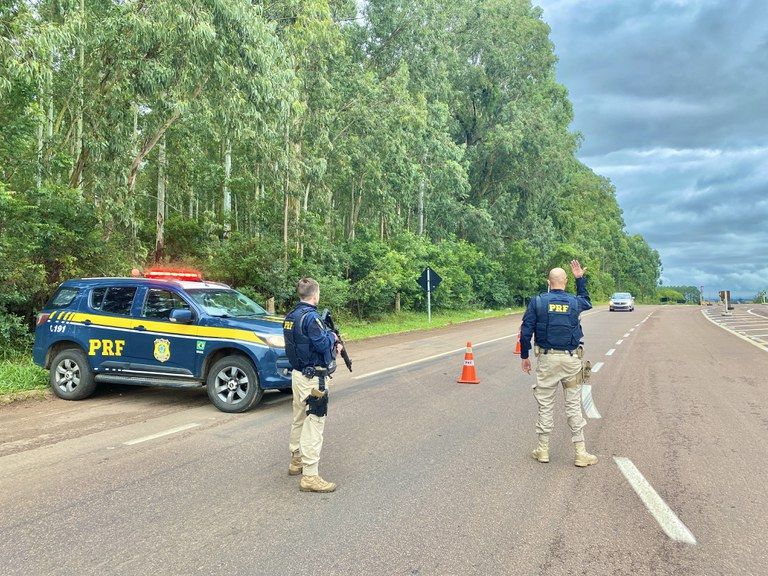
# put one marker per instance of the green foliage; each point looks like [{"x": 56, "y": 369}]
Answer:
[
  {"x": 19, "y": 374},
  {"x": 690, "y": 294},
  {"x": 304, "y": 138},
  {"x": 670, "y": 296}
]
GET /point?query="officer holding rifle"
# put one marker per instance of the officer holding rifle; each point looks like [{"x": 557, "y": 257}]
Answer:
[{"x": 311, "y": 348}]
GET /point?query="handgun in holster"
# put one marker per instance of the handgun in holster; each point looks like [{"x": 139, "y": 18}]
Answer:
[
  {"x": 317, "y": 401},
  {"x": 586, "y": 365}
]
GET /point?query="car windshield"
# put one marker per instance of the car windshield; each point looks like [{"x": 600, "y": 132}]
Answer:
[
  {"x": 622, "y": 296},
  {"x": 226, "y": 303}
]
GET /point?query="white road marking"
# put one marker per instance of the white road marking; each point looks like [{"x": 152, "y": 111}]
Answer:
[
  {"x": 631, "y": 329},
  {"x": 448, "y": 353},
  {"x": 761, "y": 327},
  {"x": 626, "y": 335},
  {"x": 762, "y": 347},
  {"x": 663, "y": 514},
  {"x": 161, "y": 434},
  {"x": 588, "y": 403},
  {"x": 434, "y": 356},
  {"x": 618, "y": 342},
  {"x": 610, "y": 352},
  {"x": 597, "y": 366}
]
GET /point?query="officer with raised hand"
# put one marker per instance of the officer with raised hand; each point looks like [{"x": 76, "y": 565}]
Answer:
[
  {"x": 310, "y": 348},
  {"x": 554, "y": 319}
]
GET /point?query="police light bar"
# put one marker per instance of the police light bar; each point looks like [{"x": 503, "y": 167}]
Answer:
[{"x": 188, "y": 275}]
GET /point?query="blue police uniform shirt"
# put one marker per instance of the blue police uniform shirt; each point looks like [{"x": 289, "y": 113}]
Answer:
[
  {"x": 554, "y": 318},
  {"x": 313, "y": 343}
]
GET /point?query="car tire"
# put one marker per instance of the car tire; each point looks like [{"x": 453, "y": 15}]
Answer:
[
  {"x": 233, "y": 384},
  {"x": 71, "y": 377}
]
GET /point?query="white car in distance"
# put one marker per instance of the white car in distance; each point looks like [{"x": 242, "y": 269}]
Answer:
[{"x": 621, "y": 301}]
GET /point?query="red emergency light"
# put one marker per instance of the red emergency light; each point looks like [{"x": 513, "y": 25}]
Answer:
[{"x": 188, "y": 275}]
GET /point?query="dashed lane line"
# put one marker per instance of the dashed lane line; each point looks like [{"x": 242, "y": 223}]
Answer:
[
  {"x": 626, "y": 335},
  {"x": 618, "y": 342},
  {"x": 610, "y": 352},
  {"x": 597, "y": 366},
  {"x": 161, "y": 434},
  {"x": 663, "y": 514}
]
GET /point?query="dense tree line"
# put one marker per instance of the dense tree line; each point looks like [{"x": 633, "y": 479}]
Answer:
[{"x": 267, "y": 139}]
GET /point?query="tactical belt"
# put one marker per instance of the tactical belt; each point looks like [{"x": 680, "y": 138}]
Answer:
[{"x": 555, "y": 351}]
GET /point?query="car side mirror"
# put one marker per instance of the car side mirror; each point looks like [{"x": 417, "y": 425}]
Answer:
[{"x": 181, "y": 316}]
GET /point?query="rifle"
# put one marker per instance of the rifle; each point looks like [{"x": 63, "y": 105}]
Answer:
[{"x": 327, "y": 319}]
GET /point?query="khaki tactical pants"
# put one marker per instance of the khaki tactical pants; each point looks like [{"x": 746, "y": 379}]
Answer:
[
  {"x": 551, "y": 370},
  {"x": 307, "y": 430}
]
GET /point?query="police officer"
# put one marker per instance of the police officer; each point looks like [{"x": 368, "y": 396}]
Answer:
[
  {"x": 308, "y": 345},
  {"x": 554, "y": 318}
]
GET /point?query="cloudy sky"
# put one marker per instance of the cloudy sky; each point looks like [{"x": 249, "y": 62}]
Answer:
[{"x": 672, "y": 99}]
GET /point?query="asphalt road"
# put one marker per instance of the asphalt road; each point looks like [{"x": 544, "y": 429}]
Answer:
[{"x": 435, "y": 478}]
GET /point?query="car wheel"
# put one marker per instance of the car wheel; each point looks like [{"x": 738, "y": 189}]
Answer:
[
  {"x": 71, "y": 375},
  {"x": 233, "y": 385}
]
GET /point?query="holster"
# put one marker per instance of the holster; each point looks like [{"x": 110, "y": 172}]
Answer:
[
  {"x": 309, "y": 372},
  {"x": 586, "y": 370},
  {"x": 317, "y": 402}
]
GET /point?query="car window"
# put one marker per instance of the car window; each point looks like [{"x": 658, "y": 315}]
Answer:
[
  {"x": 116, "y": 299},
  {"x": 62, "y": 298},
  {"x": 159, "y": 304},
  {"x": 97, "y": 297},
  {"x": 226, "y": 303}
]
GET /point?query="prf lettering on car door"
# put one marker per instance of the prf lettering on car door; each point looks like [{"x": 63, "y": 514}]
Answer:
[{"x": 105, "y": 347}]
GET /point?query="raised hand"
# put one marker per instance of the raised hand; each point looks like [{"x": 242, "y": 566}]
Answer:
[{"x": 577, "y": 270}]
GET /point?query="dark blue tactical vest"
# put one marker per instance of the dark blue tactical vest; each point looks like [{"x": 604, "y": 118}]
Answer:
[
  {"x": 557, "y": 321},
  {"x": 298, "y": 346}
]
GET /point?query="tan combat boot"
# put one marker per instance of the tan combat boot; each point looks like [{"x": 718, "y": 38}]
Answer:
[
  {"x": 315, "y": 484},
  {"x": 583, "y": 458},
  {"x": 295, "y": 467},
  {"x": 542, "y": 450}
]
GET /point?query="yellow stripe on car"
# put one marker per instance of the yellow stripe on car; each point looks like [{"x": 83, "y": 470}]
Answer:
[{"x": 168, "y": 327}]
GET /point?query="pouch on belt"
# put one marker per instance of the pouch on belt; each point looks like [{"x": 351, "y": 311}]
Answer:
[{"x": 317, "y": 402}]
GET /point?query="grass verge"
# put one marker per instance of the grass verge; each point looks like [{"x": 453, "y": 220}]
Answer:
[
  {"x": 20, "y": 374},
  {"x": 355, "y": 329}
]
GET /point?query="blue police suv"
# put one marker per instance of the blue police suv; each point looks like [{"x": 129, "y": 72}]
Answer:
[{"x": 166, "y": 329}]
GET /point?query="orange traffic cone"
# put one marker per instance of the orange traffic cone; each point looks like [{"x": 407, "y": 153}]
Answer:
[
  {"x": 468, "y": 373},
  {"x": 517, "y": 346}
]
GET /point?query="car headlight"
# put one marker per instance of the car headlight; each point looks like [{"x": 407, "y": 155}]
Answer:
[{"x": 274, "y": 340}]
